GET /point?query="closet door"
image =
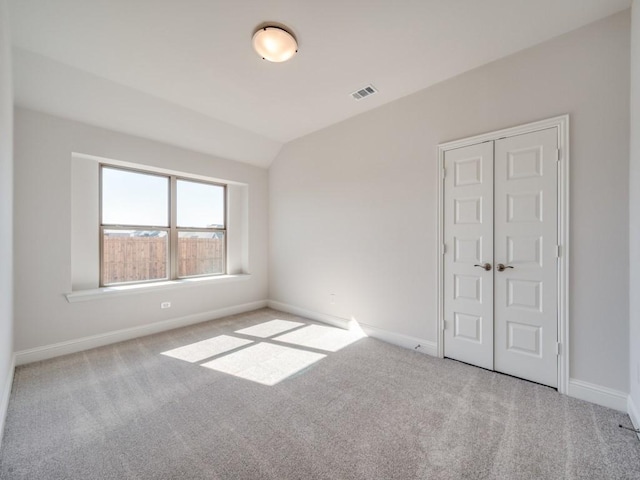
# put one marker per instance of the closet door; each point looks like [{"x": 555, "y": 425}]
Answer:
[
  {"x": 526, "y": 232},
  {"x": 468, "y": 259}
]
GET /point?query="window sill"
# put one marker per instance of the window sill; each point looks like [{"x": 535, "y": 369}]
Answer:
[{"x": 118, "y": 291}]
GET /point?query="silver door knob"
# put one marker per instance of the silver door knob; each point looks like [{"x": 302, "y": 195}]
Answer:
[
  {"x": 486, "y": 266},
  {"x": 501, "y": 267}
]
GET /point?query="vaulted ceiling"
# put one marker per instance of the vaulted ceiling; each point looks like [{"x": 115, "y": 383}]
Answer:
[{"x": 185, "y": 72}]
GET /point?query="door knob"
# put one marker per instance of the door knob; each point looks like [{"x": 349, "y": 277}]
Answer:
[
  {"x": 501, "y": 267},
  {"x": 486, "y": 266}
]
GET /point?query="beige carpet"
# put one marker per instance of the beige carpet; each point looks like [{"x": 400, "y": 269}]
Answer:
[{"x": 268, "y": 395}]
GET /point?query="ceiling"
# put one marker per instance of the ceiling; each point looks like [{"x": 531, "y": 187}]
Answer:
[{"x": 195, "y": 57}]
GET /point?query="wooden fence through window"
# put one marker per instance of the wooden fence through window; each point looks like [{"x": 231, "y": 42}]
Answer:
[{"x": 136, "y": 259}]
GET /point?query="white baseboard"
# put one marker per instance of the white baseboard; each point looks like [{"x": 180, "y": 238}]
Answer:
[
  {"x": 5, "y": 395},
  {"x": 320, "y": 317},
  {"x": 85, "y": 343},
  {"x": 634, "y": 414},
  {"x": 405, "y": 341},
  {"x": 597, "y": 394}
]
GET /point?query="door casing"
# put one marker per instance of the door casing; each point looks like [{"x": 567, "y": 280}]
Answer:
[{"x": 561, "y": 123}]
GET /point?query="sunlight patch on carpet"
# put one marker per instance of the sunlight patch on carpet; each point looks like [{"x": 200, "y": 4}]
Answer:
[
  {"x": 269, "y": 329},
  {"x": 198, "y": 351},
  {"x": 264, "y": 363},
  {"x": 321, "y": 337}
]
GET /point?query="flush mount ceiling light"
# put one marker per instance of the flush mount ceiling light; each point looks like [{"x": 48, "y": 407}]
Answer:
[{"x": 274, "y": 43}]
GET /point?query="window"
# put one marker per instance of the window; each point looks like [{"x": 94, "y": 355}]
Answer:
[{"x": 156, "y": 227}]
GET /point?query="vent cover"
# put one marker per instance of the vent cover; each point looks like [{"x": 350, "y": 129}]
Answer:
[{"x": 364, "y": 92}]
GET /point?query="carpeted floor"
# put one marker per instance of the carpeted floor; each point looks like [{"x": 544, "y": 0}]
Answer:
[{"x": 268, "y": 395}]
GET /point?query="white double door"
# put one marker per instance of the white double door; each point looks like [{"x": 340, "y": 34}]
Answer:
[{"x": 500, "y": 261}]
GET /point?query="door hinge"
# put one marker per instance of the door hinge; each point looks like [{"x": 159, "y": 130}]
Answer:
[
  {"x": 444, "y": 325},
  {"x": 557, "y": 251},
  {"x": 443, "y": 248},
  {"x": 558, "y": 156},
  {"x": 558, "y": 347},
  {"x": 444, "y": 173}
]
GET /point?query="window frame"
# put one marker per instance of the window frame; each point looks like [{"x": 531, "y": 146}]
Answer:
[{"x": 172, "y": 230}]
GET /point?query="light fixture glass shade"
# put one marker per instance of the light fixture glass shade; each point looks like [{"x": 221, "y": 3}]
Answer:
[{"x": 274, "y": 44}]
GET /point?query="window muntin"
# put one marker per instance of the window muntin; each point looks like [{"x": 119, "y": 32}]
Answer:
[{"x": 148, "y": 251}]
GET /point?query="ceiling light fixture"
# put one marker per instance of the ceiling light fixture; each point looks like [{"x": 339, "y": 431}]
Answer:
[{"x": 274, "y": 43}]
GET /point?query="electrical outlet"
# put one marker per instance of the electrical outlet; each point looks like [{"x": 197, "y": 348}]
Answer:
[
  {"x": 165, "y": 305},
  {"x": 332, "y": 299}
]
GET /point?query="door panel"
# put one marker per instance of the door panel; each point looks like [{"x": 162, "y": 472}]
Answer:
[
  {"x": 525, "y": 238},
  {"x": 468, "y": 290}
]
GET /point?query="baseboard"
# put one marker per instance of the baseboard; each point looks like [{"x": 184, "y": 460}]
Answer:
[
  {"x": 634, "y": 414},
  {"x": 405, "y": 341},
  {"x": 6, "y": 395},
  {"x": 85, "y": 343},
  {"x": 320, "y": 317},
  {"x": 597, "y": 394}
]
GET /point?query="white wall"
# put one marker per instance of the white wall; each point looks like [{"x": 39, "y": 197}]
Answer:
[
  {"x": 354, "y": 206},
  {"x": 49, "y": 86},
  {"x": 43, "y": 230},
  {"x": 6, "y": 215},
  {"x": 634, "y": 216}
]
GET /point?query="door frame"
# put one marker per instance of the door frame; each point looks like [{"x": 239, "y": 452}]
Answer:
[{"x": 562, "y": 125}]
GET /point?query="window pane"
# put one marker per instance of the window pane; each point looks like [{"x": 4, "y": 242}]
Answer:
[
  {"x": 200, "y": 205},
  {"x": 131, "y": 198},
  {"x": 134, "y": 256},
  {"x": 200, "y": 253}
]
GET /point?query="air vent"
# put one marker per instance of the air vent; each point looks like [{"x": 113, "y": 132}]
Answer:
[{"x": 364, "y": 92}]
